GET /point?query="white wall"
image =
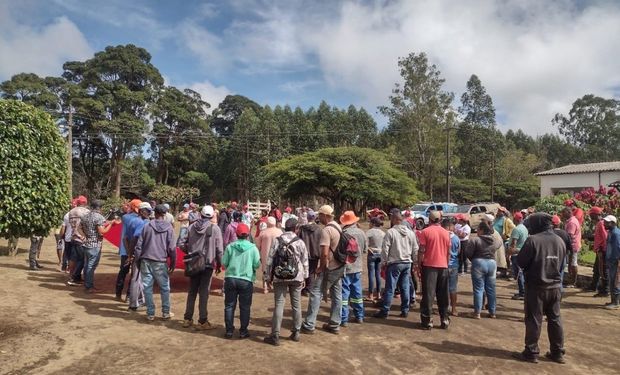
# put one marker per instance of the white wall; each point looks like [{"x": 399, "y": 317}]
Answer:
[{"x": 576, "y": 182}]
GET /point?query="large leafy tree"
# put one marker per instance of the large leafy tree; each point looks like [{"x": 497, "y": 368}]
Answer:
[
  {"x": 419, "y": 114},
  {"x": 353, "y": 175},
  {"x": 117, "y": 86},
  {"x": 33, "y": 171},
  {"x": 593, "y": 124},
  {"x": 228, "y": 112}
]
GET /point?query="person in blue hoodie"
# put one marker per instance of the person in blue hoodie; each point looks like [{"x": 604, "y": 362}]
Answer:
[
  {"x": 241, "y": 260},
  {"x": 612, "y": 257},
  {"x": 155, "y": 246}
]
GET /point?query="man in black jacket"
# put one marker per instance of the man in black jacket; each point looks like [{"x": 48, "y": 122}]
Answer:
[
  {"x": 311, "y": 235},
  {"x": 542, "y": 258}
]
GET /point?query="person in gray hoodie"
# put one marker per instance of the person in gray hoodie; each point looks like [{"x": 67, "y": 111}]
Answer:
[
  {"x": 155, "y": 246},
  {"x": 283, "y": 286},
  {"x": 352, "y": 281},
  {"x": 481, "y": 251},
  {"x": 398, "y": 251},
  {"x": 204, "y": 238}
]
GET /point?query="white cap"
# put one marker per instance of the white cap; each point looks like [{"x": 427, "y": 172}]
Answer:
[
  {"x": 611, "y": 218},
  {"x": 490, "y": 217},
  {"x": 207, "y": 211},
  {"x": 167, "y": 206},
  {"x": 271, "y": 221},
  {"x": 145, "y": 206}
]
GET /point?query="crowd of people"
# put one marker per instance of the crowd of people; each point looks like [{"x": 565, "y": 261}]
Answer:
[{"x": 309, "y": 253}]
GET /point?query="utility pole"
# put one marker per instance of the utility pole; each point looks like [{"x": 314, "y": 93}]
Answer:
[
  {"x": 448, "y": 198},
  {"x": 70, "y": 152}
]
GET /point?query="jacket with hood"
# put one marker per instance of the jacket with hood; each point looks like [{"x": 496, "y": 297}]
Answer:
[
  {"x": 483, "y": 246},
  {"x": 400, "y": 245},
  {"x": 156, "y": 242},
  {"x": 362, "y": 247},
  {"x": 241, "y": 259},
  {"x": 197, "y": 240},
  {"x": 230, "y": 234},
  {"x": 311, "y": 235},
  {"x": 543, "y": 254},
  {"x": 301, "y": 253}
]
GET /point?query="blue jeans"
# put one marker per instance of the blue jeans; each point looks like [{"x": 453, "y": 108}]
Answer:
[
  {"x": 237, "y": 289},
  {"x": 483, "y": 279},
  {"x": 352, "y": 291},
  {"x": 374, "y": 273},
  {"x": 334, "y": 279},
  {"x": 91, "y": 260},
  {"x": 66, "y": 255},
  {"x": 612, "y": 269},
  {"x": 518, "y": 274},
  {"x": 152, "y": 271},
  {"x": 397, "y": 274}
]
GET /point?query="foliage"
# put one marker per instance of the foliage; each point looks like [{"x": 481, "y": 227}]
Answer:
[
  {"x": 419, "y": 113},
  {"x": 552, "y": 204},
  {"x": 470, "y": 191},
  {"x": 343, "y": 175},
  {"x": 173, "y": 195},
  {"x": 33, "y": 171},
  {"x": 607, "y": 199}
]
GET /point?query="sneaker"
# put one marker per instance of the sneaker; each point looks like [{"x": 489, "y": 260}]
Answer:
[
  {"x": 294, "y": 336},
  {"x": 92, "y": 290},
  {"x": 39, "y": 266},
  {"x": 380, "y": 315},
  {"x": 612, "y": 306},
  {"x": 344, "y": 324},
  {"x": 555, "y": 358},
  {"x": 330, "y": 329},
  {"x": 427, "y": 326},
  {"x": 358, "y": 320},
  {"x": 167, "y": 316},
  {"x": 403, "y": 314},
  {"x": 570, "y": 286},
  {"x": 307, "y": 331},
  {"x": 599, "y": 294},
  {"x": 492, "y": 316},
  {"x": 228, "y": 335},
  {"x": 518, "y": 297},
  {"x": 150, "y": 318},
  {"x": 74, "y": 283},
  {"x": 521, "y": 356},
  {"x": 244, "y": 335},
  {"x": 272, "y": 340},
  {"x": 187, "y": 323},
  {"x": 445, "y": 324},
  {"x": 476, "y": 316},
  {"x": 34, "y": 269},
  {"x": 206, "y": 326}
]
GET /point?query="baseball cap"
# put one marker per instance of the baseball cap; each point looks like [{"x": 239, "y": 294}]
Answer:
[
  {"x": 595, "y": 210},
  {"x": 186, "y": 205},
  {"x": 242, "y": 230},
  {"x": 160, "y": 209},
  {"x": 555, "y": 220},
  {"x": 611, "y": 218},
  {"x": 311, "y": 214},
  {"x": 167, "y": 206},
  {"x": 81, "y": 200},
  {"x": 326, "y": 210},
  {"x": 271, "y": 220},
  {"x": 290, "y": 224},
  {"x": 135, "y": 204},
  {"x": 207, "y": 211},
  {"x": 518, "y": 216},
  {"x": 490, "y": 217},
  {"x": 434, "y": 215},
  {"x": 395, "y": 211},
  {"x": 288, "y": 209},
  {"x": 145, "y": 206}
]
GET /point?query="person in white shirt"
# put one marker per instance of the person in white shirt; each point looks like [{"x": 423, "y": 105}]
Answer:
[{"x": 463, "y": 231}]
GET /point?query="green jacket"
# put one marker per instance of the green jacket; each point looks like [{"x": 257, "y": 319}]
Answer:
[{"x": 241, "y": 259}]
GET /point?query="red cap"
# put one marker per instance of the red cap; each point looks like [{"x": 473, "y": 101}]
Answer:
[
  {"x": 81, "y": 200},
  {"x": 555, "y": 220},
  {"x": 288, "y": 209},
  {"x": 595, "y": 210},
  {"x": 242, "y": 230},
  {"x": 518, "y": 216},
  {"x": 569, "y": 202}
]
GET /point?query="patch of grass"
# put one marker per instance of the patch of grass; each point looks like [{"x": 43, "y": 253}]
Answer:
[{"x": 586, "y": 258}]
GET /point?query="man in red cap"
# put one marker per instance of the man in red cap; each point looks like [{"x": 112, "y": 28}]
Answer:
[
  {"x": 577, "y": 212},
  {"x": 599, "y": 272},
  {"x": 573, "y": 228},
  {"x": 76, "y": 264},
  {"x": 241, "y": 260}
]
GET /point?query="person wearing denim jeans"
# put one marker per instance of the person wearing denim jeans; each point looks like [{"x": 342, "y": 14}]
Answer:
[
  {"x": 481, "y": 251},
  {"x": 91, "y": 261},
  {"x": 155, "y": 247},
  {"x": 515, "y": 243},
  {"x": 241, "y": 260},
  {"x": 375, "y": 239},
  {"x": 612, "y": 257},
  {"x": 352, "y": 281},
  {"x": 93, "y": 226},
  {"x": 398, "y": 251}
]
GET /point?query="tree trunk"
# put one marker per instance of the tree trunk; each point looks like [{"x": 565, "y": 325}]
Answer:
[{"x": 117, "y": 179}]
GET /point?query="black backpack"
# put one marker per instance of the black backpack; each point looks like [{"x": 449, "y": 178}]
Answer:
[
  {"x": 347, "y": 250},
  {"x": 285, "y": 262},
  {"x": 196, "y": 261}
]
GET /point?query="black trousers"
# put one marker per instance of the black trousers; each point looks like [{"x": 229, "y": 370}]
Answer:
[
  {"x": 537, "y": 303},
  {"x": 462, "y": 257},
  {"x": 599, "y": 280},
  {"x": 123, "y": 271},
  {"x": 199, "y": 285},
  {"x": 434, "y": 283}
]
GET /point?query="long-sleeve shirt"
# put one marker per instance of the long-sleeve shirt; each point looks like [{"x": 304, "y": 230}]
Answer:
[
  {"x": 400, "y": 245},
  {"x": 301, "y": 254},
  {"x": 156, "y": 242},
  {"x": 613, "y": 245},
  {"x": 600, "y": 237}
]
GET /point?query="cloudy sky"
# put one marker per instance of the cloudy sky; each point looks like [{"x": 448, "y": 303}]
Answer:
[{"x": 534, "y": 57}]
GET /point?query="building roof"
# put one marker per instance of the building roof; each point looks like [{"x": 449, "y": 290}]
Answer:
[{"x": 583, "y": 168}]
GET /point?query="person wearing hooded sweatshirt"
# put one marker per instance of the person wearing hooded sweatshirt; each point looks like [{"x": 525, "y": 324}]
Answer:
[
  {"x": 398, "y": 252},
  {"x": 612, "y": 260},
  {"x": 205, "y": 238},
  {"x": 287, "y": 286},
  {"x": 264, "y": 242},
  {"x": 230, "y": 233},
  {"x": 311, "y": 234},
  {"x": 155, "y": 245},
  {"x": 481, "y": 251},
  {"x": 352, "y": 281},
  {"x": 241, "y": 259},
  {"x": 375, "y": 240},
  {"x": 542, "y": 259}
]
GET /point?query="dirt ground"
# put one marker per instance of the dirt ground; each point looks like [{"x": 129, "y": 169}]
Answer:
[{"x": 47, "y": 327}]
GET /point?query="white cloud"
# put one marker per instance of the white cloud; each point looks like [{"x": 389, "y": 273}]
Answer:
[
  {"x": 296, "y": 87},
  {"x": 210, "y": 93},
  {"x": 39, "y": 50},
  {"x": 207, "y": 46}
]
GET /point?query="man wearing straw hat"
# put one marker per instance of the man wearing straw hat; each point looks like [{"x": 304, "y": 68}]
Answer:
[{"x": 352, "y": 281}]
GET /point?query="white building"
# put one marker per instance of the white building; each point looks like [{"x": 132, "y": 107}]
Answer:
[{"x": 576, "y": 177}]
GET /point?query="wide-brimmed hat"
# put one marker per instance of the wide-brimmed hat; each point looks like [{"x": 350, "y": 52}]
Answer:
[
  {"x": 326, "y": 210},
  {"x": 348, "y": 218}
]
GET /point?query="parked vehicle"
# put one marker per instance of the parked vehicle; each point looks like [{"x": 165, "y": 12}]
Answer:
[
  {"x": 475, "y": 211},
  {"x": 420, "y": 211}
]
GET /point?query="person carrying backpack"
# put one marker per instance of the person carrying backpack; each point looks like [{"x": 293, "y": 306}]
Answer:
[
  {"x": 287, "y": 267},
  {"x": 352, "y": 281},
  {"x": 328, "y": 276},
  {"x": 203, "y": 245}
]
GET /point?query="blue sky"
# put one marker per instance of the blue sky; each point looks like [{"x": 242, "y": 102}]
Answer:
[{"x": 535, "y": 58}]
